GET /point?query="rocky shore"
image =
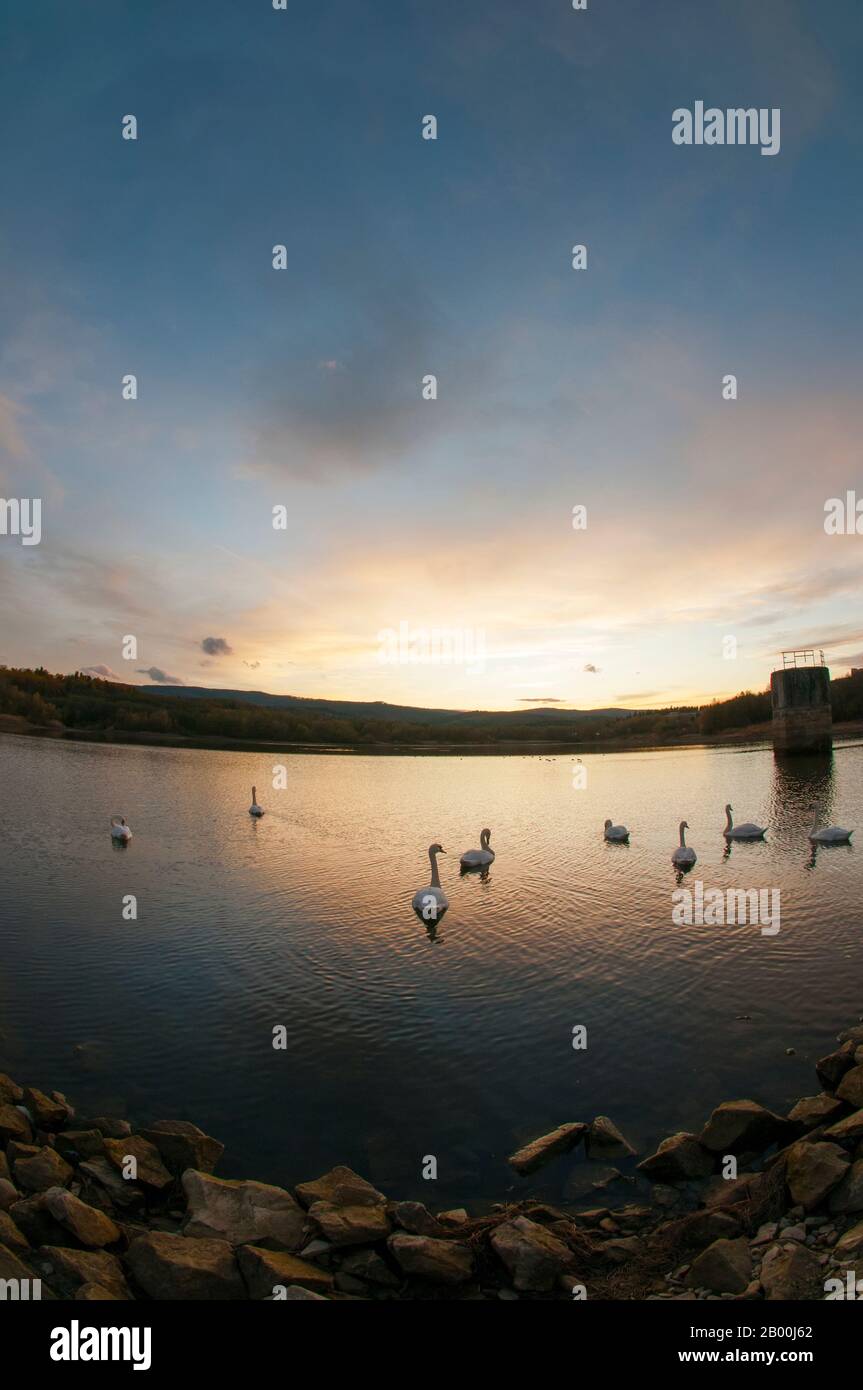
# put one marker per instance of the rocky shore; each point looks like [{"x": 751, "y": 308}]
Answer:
[{"x": 92, "y": 1209}]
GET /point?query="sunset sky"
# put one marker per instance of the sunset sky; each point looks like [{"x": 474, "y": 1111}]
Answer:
[{"x": 556, "y": 387}]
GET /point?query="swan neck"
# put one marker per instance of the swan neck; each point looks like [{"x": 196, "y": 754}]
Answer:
[
  {"x": 435, "y": 876},
  {"x": 682, "y": 837},
  {"x": 728, "y": 821}
]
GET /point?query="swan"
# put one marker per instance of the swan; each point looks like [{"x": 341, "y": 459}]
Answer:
[
  {"x": 431, "y": 903},
  {"x": 255, "y": 809},
  {"x": 475, "y": 858},
  {"x": 120, "y": 830},
  {"x": 683, "y": 855},
  {"x": 747, "y": 831},
  {"x": 615, "y": 832},
  {"x": 830, "y": 835}
]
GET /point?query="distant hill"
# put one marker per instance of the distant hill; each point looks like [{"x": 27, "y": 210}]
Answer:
[{"x": 378, "y": 709}]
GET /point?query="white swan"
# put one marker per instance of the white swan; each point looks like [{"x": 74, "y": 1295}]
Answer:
[
  {"x": 255, "y": 809},
  {"x": 120, "y": 830},
  {"x": 747, "y": 831},
  {"x": 615, "y": 832},
  {"x": 475, "y": 858},
  {"x": 431, "y": 903},
  {"x": 830, "y": 835},
  {"x": 683, "y": 855}
]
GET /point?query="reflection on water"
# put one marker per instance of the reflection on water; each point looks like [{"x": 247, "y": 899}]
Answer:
[{"x": 405, "y": 1037}]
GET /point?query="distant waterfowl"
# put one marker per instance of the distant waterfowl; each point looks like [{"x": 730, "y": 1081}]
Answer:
[
  {"x": 120, "y": 830},
  {"x": 830, "y": 835},
  {"x": 747, "y": 831},
  {"x": 432, "y": 902},
  {"x": 683, "y": 855},
  {"x": 255, "y": 809},
  {"x": 475, "y": 858},
  {"x": 615, "y": 832}
]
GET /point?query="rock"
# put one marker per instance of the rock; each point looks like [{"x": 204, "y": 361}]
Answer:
[
  {"x": 79, "y": 1143},
  {"x": 94, "y": 1293},
  {"x": 850, "y": 1088},
  {"x": 122, "y": 1191},
  {"x": 534, "y": 1258},
  {"x": 815, "y": 1110},
  {"x": 700, "y": 1228},
  {"x": 724, "y": 1192},
  {"x": 833, "y": 1067},
  {"x": 368, "y": 1266},
  {"x": 546, "y": 1147},
  {"x": 457, "y": 1216},
  {"x": 8, "y": 1194},
  {"x": 265, "y": 1270},
  {"x": 295, "y": 1292},
  {"x": 88, "y": 1225},
  {"x": 47, "y": 1113},
  {"x": 848, "y": 1131},
  {"x": 620, "y": 1251},
  {"x": 678, "y": 1158},
  {"x": 791, "y": 1271},
  {"x": 813, "y": 1170},
  {"x": 850, "y": 1245},
  {"x": 11, "y": 1267},
  {"x": 37, "y": 1224},
  {"x": 172, "y": 1267},
  {"x": 72, "y": 1268},
  {"x": 415, "y": 1218},
  {"x": 739, "y": 1125},
  {"x": 724, "y": 1267},
  {"x": 14, "y": 1125},
  {"x": 604, "y": 1140},
  {"x": 10, "y": 1094},
  {"x": 11, "y": 1234},
  {"x": 423, "y": 1257},
  {"x": 108, "y": 1127},
  {"x": 354, "y": 1225},
  {"x": 341, "y": 1187},
  {"x": 37, "y": 1172},
  {"x": 847, "y": 1196},
  {"x": 854, "y": 1035},
  {"x": 150, "y": 1171},
  {"x": 242, "y": 1212},
  {"x": 182, "y": 1145}
]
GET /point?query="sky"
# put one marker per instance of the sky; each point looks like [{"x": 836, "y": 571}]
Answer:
[{"x": 302, "y": 388}]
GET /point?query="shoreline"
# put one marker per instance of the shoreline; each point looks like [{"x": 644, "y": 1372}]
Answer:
[
  {"x": 756, "y": 1206},
  {"x": 756, "y": 735}
]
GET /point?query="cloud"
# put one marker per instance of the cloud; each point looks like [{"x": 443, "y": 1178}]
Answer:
[
  {"x": 252, "y": 665},
  {"x": 104, "y": 673},
  {"x": 540, "y": 700},
  {"x": 216, "y": 646},
  {"x": 594, "y": 670},
  {"x": 160, "y": 677}
]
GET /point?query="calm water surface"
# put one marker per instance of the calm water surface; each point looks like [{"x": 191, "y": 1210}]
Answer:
[{"x": 402, "y": 1044}]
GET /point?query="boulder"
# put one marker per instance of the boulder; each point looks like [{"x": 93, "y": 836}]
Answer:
[
  {"x": 242, "y": 1212},
  {"x": 853, "y": 1035},
  {"x": 678, "y": 1159},
  {"x": 11, "y": 1267},
  {"x": 368, "y": 1266},
  {"x": 620, "y": 1251},
  {"x": 10, "y": 1094},
  {"x": 534, "y": 1258},
  {"x": 423, "y": 1257},
  {"x": 9, "y": 1194},
  {"x": 813, "y": 1170},
  {"x": 14, "y": 1125},
  {"x": 350, "y": 1225},
  {"x": 415, "y": 1218},
  {"x": 740, "y": 1126},
  {"x": 36, "y": 1223},
  {"x": 848, "y": 1131},
  {"x": 94, "y": 1293},
  {"x": 121, "y": 1191},
  {"x": 37, "y": 1172},
  {"x": 850, "y": 1088},
  {"x": 11, "y": 1234},
  {"x": 86, "y": 1224},
  {"x": 847, "y": 1196},
  {"x": 47, "y": 1113},
  {"x": 832, "y": 1068},
  {"x": 791, "y": 1271},
  {"x": 68, "y": 1269},
  {"x": 150, "y": 1171},
  {"x": 107, "y": 1126},
  {"x": 79, "y": 1143},
  {"x": 182, "y": 1145},
  {"x": 850, "y": 1245},
  {"x": 265, "y": 1270},
  {"x": 341, "y": 1187},
  {"x": 604, "y": 1140},
  {"x": 812, "y": 1111},
  {"x": 539, "y": 1151},
  {"x": 166, "y": 1266},
  {"x": 295, "y": 1293},
  {"x": 724, "y": 1267}
]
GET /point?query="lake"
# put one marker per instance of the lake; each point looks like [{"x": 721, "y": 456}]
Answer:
[{"x": 404, "y": 1042}]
